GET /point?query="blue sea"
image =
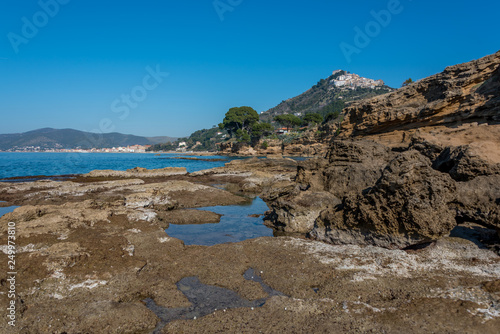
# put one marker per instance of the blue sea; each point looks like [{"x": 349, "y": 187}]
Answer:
[
  {"x": 235, "y": 225},
  {"x": 49, "y": 164}
]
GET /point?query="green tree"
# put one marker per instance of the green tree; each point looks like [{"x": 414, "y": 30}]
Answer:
[
  {"x": 239, "y": 118},
  {"x": 261, "y": 129},
  {"x": 408, "y": 81},
  {"x": 242, "y": 136},
  {"x": 313, "y": 118},
  {"x": 288, "y": 120},
  {"x": 331, "y": 116},
  {"x": 336, "y": 105}
]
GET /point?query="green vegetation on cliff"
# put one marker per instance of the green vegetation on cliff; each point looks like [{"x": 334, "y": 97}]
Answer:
[
  {"x": 323, "y": 98},
  {"x": 201, "y": 140}
]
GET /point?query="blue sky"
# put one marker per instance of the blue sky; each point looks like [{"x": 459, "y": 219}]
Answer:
[{"x": 84, "y": 58}]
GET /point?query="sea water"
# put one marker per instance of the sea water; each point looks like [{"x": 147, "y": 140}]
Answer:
[{"x": 49, "y": 164}]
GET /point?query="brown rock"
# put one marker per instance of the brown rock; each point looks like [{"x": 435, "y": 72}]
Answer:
[
  {"x": 350, "y": 166},
  {"x": 462, "y": 164},
  {"x": 462, "y": 93},
  {"x": 409, "y": 204},
  {"x": 479, "y": 201},
  {"x": 187, "y": 216},
  {"x": 297, "y": 212},
  {"x": 138, "y": 172}
]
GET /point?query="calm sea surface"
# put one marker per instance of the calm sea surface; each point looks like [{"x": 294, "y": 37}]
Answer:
[{"x": 31, "y": 164}]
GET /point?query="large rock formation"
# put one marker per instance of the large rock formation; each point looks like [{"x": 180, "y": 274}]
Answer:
[
  {"x": 462, "y": 93},
  {"x": 409, "y": 204},
  {"x": 364, "y": 193},
  {"x": 408, "y": 167}
]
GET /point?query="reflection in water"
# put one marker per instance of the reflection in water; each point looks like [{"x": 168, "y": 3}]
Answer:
[
  {"x": 206, "y": 299},
  {"x": 235, "y": 225}
]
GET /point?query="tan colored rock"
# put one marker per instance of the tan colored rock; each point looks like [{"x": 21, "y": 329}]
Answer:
[
  {"x": 462, "y": 93},
  {"x": 53, "y": 219},
  {"x": 138, "y": 172},
  {"x": 186, "y": 216}
]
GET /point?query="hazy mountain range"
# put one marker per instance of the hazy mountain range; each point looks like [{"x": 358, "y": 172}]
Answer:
[{"x": 48, "y": 138}]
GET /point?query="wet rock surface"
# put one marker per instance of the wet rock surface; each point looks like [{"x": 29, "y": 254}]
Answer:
[
  {"x": 189, "y": 216},
  {"x": 206, "y": 299}
]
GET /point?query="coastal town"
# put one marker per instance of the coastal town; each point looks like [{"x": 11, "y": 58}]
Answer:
[
  {"x": 353, "y": 81},
  {"x": 126, "y": 149}
]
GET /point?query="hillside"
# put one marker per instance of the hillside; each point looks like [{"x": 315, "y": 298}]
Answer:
[
  {"x": 49, "y": 138},
  {"x": 200, "y": 140},
  {"x": 329, "y": 95}
]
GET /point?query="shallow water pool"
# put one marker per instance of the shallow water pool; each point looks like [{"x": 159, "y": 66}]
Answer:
[{"x": 235, "y": 225}]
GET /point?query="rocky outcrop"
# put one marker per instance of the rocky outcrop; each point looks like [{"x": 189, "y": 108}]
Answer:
[
  {"x": 462, "y": 93},
  {"x": 463, "y": 165},
  {"x": 408, "y": 166},
  {"x": 479, "y": 201},
  {"x": 296, "y": 213},
  {"x": 366, "y": 193},
  {"x": 255, "y": 175},
  {"x": 350, "y": 166},
  {"x": 301, "y": 147},
  {"x": 408, "y": 205}
]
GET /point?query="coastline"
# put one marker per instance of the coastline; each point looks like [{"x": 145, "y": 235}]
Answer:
[{"x": 99, "y": 243}]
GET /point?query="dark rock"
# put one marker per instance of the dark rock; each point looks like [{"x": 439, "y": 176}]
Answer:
[
  {"x": 477, "y": 201},
  {"x": 430, "y": 150},
  {"x": 349, "y": 167},
  {"x": 462, "y": 165},
  {"x": 296, "y": 213},
  {"x": 409, "y": 204}
]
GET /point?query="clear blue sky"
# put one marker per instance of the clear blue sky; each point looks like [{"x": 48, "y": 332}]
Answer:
[{"x": 90, "y": 53}]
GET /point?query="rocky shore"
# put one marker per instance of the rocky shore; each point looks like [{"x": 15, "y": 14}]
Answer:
[
  {"x": 393, "y": 227},
  {"x": 93, "y": 257}
]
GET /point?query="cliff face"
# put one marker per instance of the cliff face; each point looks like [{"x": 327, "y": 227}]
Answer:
[{"x": 462, "y": 93}]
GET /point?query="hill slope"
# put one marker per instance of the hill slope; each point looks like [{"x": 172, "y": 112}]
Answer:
[
  {"x": 329, "y": 95},
  {"x": 49, "y": 138}
]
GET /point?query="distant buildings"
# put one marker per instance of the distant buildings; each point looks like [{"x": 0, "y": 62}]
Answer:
[
  {"x": 128, "y": 149},
  {"x": 353, "y": 81},
  {"x": 281, "y": 131}
]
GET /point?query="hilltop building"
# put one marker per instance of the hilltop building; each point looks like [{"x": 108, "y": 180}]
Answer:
[{"x": 353, "y": 81}]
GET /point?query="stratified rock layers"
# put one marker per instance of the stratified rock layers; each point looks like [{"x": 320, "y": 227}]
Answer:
[{"x": 370, "y": 191}]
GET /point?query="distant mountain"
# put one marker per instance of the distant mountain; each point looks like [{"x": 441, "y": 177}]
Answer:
[
  {"x": 161, "y": 139},
  {"x": 329, "y": 95},
  {"x": 49, "y": 138}
]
